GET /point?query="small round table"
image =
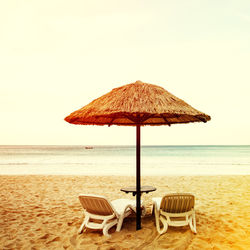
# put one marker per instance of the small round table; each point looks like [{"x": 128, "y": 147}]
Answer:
[{"x": 144, "y": 189}]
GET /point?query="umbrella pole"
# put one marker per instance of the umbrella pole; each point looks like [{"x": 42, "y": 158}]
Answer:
[{"x": 138, "y": 177}]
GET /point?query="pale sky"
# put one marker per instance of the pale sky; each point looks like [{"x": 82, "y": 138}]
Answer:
[{"x": 57, "y": 56}]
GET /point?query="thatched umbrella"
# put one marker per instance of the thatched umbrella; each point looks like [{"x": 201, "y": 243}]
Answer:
[{"x": 137, "y": 104}]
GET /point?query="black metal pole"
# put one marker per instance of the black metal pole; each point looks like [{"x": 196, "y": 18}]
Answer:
[{"x": 138, "y": 177}]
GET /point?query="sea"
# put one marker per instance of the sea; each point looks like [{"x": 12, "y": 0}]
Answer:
[{"x": 121, "y": 160}]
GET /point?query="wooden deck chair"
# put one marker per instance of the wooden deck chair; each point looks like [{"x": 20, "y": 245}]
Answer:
[
  {"x": 174, "y": 210},
  {"x": 102, "y": 214}
]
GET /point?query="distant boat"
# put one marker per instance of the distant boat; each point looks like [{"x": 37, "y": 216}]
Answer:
[{"x": 89, "y": 147}]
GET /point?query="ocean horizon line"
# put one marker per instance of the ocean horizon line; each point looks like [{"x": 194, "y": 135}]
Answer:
[{"x": 119, "y": 145}]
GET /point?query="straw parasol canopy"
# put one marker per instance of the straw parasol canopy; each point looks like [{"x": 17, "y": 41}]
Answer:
[{"x": 137, "y": 104}]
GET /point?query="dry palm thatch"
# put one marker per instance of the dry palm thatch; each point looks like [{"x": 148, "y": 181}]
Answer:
[{"x": 137, "y": 104}]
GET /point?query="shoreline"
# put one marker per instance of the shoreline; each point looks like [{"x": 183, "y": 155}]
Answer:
[
  {"x": 43, "y": 211},
  {"x": 129, "y": 175}
]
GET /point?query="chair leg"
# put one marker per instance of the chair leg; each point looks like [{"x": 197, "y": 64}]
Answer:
[
  {"x": 192, "y": 223},
  {"x": 165, "y": 225},
  {"x": 108, "y": 226},
  {"x": 86, "y": 218},
  {"x": 119, "y": 224},
  {"x": 157, "y": 222},
  {"x": 156, "y": 216},
  {"x": 81, "y": 228}
]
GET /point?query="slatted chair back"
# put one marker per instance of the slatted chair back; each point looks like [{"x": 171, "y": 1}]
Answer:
[
  {"x": 177, "y": 203},
  {"x": 96, "y": 205}
]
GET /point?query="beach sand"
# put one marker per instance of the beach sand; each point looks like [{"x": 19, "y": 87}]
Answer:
[{"x": 43, "y": 212}]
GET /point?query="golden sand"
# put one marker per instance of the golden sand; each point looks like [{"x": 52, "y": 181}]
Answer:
[{"x": 43, "y": 212}]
